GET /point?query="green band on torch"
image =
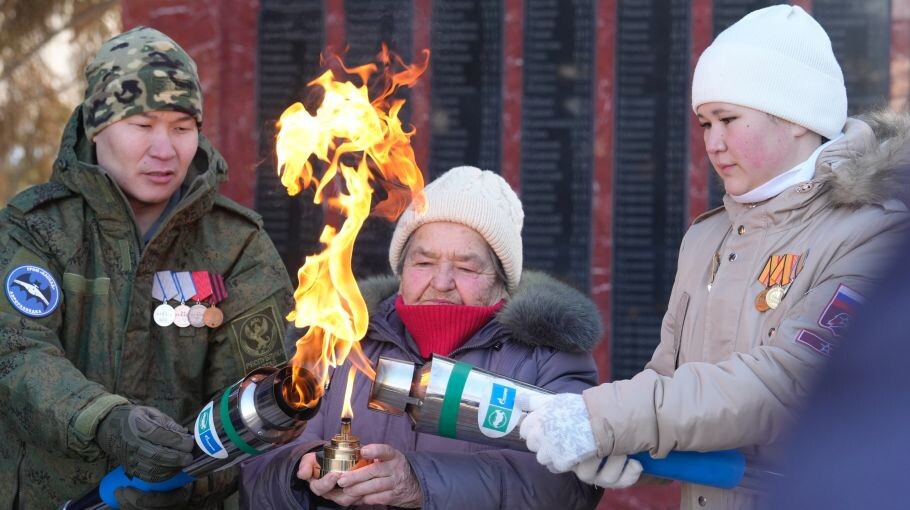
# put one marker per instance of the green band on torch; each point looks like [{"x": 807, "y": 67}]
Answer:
[
  {"x": 451, "y": 401},
  {"x": 229, "y": 427}
]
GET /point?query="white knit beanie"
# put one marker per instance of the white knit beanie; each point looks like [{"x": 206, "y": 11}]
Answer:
[
  {"x": 476, "y": 198},
  {"x": 777, "y": 60}
]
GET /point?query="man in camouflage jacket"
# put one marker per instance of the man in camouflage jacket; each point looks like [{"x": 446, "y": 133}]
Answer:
[{"x": 78, "y": 258}]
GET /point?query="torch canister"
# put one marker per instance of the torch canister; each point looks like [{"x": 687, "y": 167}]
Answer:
[
  {"x": 453, "y": 399},
  {"x": 250, "y": 417}
]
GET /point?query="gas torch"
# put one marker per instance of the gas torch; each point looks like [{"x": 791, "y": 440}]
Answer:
[
  {"x": 267, "y": 408},
  {"x": 453, "y": 399}
]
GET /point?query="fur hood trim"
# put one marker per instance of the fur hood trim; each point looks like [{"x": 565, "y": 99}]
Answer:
[
  {"x": 871, "y": 165},
  {"x": 542, "y": 312}
]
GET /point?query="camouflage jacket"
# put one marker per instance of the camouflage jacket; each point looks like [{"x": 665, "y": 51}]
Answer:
[{"x": 60, "y": 374}]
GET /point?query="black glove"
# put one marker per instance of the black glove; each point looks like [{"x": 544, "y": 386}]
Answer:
[
  {"x": 146, "y": 442},
  {"x": 135, "y": 499}
]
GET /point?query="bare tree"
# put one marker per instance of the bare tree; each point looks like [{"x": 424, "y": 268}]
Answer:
[{"x": 44, "y": 45}]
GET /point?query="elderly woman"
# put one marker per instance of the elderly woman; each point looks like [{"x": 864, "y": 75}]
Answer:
[{"x": 461, "y": 294}]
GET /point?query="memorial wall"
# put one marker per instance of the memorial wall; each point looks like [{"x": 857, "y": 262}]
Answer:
[{"x": 519, "y": 87}]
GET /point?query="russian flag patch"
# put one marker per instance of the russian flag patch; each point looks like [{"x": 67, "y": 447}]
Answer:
[{"x": 840, "y": 310}]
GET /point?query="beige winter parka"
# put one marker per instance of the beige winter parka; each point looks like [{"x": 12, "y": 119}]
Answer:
[{"x": 728, "y": 375}]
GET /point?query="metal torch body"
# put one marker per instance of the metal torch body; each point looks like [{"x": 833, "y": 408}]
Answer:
[
  {"x": 248, "y": 418},
  {"x": 453, "y": 399}
]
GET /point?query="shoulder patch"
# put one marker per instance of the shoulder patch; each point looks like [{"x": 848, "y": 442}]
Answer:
[
  {"x": 32, "y": 290},
  {"x": 815, "y": 342},
  {"x": 841, "y": 309},
  {"x": 38, "y": 195},
  {"x": 230, "y": 205},
  {"x": 707, "y": 214}
]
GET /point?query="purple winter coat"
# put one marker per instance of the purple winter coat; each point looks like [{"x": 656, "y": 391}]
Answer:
[{"x": 542, "y": 336}]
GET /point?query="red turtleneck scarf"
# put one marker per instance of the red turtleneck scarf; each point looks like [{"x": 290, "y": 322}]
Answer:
[{"x": 440, "y": 329}]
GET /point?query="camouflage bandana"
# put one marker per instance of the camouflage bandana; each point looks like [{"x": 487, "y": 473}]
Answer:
[{"x": 138, "y": 71}]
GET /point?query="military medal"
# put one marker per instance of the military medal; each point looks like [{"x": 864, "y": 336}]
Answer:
[
  {"x": 777, "y": 277},
  {"x": 213, "y": 316},
  {"x": 773, "y": 296},
  {"x": 184, "y": 283},
  {"x": 761, "y": 303},
  {"x": 203, "y": 290},
  {"x": 164, "y": 313}
]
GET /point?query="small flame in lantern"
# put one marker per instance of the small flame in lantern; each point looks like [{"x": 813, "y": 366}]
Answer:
[
  {"x": 347, "y": 411},
  {"x": 363, "y": 141}
]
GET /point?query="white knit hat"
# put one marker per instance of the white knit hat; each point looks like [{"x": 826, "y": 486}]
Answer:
[
  {"x": 777, "y": 60},
  {"x": 476, "y": 198}
]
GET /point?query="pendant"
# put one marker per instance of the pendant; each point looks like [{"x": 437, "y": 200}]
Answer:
[
  {"x": 774, "y": 296},
  {"x": 761, "y": 301},
  {"x": 164, "y": 315},
  {"x": 197, "y": 312},
  {"x": 182, "y": 316},
  {"x": 213, "y": 317}
]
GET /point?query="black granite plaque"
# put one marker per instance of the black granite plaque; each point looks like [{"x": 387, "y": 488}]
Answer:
[
  {"x": 368, "y": 24},
  {"x": 290, "y": 40},
  {"x": 860, "y": 34},
  {"x": 466, "y": 77},
  {"x": 558, "y": 137},
  {"x": 652, "y": 115}
]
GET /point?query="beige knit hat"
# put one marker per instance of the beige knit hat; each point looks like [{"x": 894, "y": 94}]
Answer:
[
  {"x": 476, "y": 198},
  {"x": 776, "y": 60}
]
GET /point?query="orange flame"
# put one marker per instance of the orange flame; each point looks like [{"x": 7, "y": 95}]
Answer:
[{"x": 363, "y": 141}]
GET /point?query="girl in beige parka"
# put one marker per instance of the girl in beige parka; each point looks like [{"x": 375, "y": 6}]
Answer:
[{"x": 766, "y": 284}]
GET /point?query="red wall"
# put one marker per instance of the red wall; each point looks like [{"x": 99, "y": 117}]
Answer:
[{"x": 220, "y": 35}]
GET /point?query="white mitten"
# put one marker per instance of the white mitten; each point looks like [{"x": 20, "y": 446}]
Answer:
[
  {"x": 559, "y": 430},
  {"x": 617, "y": 472}
]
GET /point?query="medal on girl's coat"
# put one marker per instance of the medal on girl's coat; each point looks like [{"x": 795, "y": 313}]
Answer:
[{"x": 777, "y": 276}]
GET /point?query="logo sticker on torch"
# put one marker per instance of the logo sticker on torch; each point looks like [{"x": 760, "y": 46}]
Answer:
[
  {"x": 497, "y": 416},
  {"x": 206, "y": 434}
]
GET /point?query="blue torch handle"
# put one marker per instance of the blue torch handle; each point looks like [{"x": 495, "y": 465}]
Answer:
[
  {"x": 723, "y": 469},
  {"x": 117, "y": 479}
]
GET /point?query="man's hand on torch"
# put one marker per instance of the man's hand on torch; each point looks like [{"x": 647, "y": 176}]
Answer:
[
  {"x": 147, "y": 442},
  {"x": 559, "y": 430}
]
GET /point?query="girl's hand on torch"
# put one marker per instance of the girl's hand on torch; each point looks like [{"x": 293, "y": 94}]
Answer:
[{"x": 559, "y": 430}]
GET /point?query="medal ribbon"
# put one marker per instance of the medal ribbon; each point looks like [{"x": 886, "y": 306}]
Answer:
[
  {"x": 219, "y": 293},
  {"x": 780, "y": 270},
  {"x": 203, "y": 285},
  {"x": 163, "y": 288},
  {"x": 185, "y": 279},
  {"x": 179, "y": 288}
]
